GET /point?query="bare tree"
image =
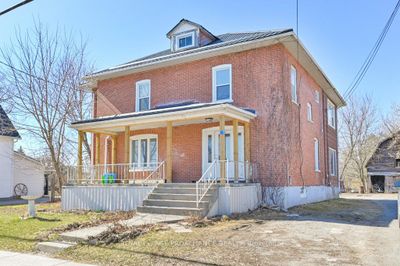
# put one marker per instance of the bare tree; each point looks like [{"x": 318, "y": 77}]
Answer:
[
  {"x": 358, "y": 140},
  {"x": 43, "y": 70}
]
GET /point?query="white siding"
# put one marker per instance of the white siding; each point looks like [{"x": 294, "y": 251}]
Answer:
[
  {"x": 6, "y": 166},
  {"x": 30, "y": 173},
  {"x": 236, "y": 199},
  {"x": 104, "y": 198}
]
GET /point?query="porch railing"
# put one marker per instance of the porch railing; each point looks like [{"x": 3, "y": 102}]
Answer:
[
  {"x": 116, "y": 174},
  {"x": 246, "y": 172}
]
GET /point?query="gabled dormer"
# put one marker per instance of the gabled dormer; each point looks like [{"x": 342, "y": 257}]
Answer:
[{"x": 187, "y": 34}]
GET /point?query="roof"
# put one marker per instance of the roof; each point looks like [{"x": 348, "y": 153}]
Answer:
[
  {"x": 225, "y": 44},
  {"x": 160, "y": 110},
  {"x": 6, "y": 126},
  {"x": 223, "y": 40}
]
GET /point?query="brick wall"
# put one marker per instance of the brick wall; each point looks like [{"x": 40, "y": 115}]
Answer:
[{"x": 282, "y": 141}]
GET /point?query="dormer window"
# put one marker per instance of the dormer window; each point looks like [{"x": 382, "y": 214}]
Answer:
[{"x": 185, "y": 40}]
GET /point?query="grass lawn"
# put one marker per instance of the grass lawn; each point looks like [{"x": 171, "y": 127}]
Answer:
[{"x": 18, "y": 234}]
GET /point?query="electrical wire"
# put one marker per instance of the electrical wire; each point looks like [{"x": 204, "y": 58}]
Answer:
[{"x": 371, "y": 56}]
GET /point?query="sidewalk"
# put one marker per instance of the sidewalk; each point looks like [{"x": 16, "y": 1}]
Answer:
[{"x": 19, "y": 259}]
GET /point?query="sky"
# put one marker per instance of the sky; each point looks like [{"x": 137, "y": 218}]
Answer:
[{"x": 339, "y": 34}]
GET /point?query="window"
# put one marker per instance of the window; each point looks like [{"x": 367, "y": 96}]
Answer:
[
  {"x": 332, "y": 162},
  {"x": 309, "y": 112},
  {"x": 143, "y": 88},
  {"x": 144, "y": 151},
  {"x": 397, "y": 163},
  {"x": 316, "y": 155},
  {"x": 316, "y": 96},
  {"x": 185, "y": 40},
  {"x": 222, "y": 83},
  {"x": 331, "y": 114},
  {"x": 293, "y": 81}
]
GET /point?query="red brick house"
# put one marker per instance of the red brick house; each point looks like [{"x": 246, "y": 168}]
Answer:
[{"x": 260, "y": 93}]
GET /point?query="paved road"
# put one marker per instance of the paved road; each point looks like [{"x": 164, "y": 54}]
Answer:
[{"x": 19, "y": 259}]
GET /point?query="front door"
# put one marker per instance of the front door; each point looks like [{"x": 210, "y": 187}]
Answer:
[{"x": 211, "y": 151}]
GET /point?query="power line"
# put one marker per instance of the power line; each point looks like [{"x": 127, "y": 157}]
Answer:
[
  {"x": 15, "y": 7},
  {"x": 371, "y": 56}
]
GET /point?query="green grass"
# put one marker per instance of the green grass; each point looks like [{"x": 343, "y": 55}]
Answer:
[{"x": 17, "y": 234}]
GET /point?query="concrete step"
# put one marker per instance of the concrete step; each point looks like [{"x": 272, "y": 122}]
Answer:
[
  {"x": 188, "y": 197},
  {"x": 172, "y": 210},
  {"x": 180, "y": 190},
  {"x": 175, "y": 203},
  {"x": 54, "y": 246},
  {"x": 83, "y": 234},
  {"x": 177, "y": 185}
]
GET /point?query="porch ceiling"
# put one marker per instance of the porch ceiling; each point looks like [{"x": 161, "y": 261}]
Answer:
[{"x": 182, "y": 115}]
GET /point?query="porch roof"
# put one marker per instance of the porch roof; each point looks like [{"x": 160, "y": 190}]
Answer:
[{"x": 179, "y": 115}]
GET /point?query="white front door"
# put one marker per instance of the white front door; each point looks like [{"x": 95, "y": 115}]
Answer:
[{"x": 211, "y": 150}]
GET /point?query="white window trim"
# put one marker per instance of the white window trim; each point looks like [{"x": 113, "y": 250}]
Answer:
[
  {"x": 214, "y": 82},
  {"x": 310, "y": 113},
  {"x": 316, "y": 156},
  {"x": 137, "y": 93},
  {"x": 329, "y": 103},
  {"x": 184, "y": 35},
  {"x": 141, "y": 137},
  {"x": 317, "y": 93},
  {"x": 336, "y": 162},
  {"x": 296, "y": 99}
]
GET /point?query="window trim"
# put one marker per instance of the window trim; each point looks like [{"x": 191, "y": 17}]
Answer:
[
  {"x": 317, "y": 165},
  {"x": 214, "y": 82},
  {"x": 137, "y": 94},
  {"x": 336, "y": 162},
  {"x": 184, "y": 35},
  {"x": 331, "y": 104},
  {"x": 141, "y": 137},
  {"x": 295, "y": 99},
  {"x": 310, "y": 115},
  {"x": 317, "y": 96}
]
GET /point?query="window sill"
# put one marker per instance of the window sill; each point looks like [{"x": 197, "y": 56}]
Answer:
[
  {"x": 333, "y": 127},
  {"x": 296, "y": 103},
  {"x": 317, "y": 171},
  {"x": 223, "y": 101},
  {"x": 142, "y": 169},
  {"x": 311, "y": 121}
]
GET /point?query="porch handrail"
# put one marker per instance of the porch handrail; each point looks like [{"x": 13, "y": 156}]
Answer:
[
  {"x": 204, "y": 184},
  {"x": 158, "y": 170},
  {"x": 125, "y": 173}
]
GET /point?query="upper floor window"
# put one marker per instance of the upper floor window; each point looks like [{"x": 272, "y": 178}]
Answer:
[
  {"x": 144, "y": 151},
  {"x": 143, "y": 88},
  {"x": 293, "y": 82},
  {"x": 316, "y": 155},
  {"x": 332, "y": 162},
  {"x": 185, "y": 40},
  {"x": 397, "y": 163},
  {"x": 222, "y": 83},
  {"x": 309, "y": 112},
  {"x": 316, "y": 96},
  {"x": 331, "y": 114}
]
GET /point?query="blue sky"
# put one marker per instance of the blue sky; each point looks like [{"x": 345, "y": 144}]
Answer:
[{"x": 339, "y": 34}]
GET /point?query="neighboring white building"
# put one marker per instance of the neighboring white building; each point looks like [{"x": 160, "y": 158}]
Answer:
[{"x": 15, "y": 167}]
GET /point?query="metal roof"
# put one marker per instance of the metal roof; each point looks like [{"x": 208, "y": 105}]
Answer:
[{"x": 226, "y": 39}]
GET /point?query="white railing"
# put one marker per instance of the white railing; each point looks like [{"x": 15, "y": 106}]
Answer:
[
  {"x": 204, "y": 184},
  {"x": 157, "y": 176},
  {"x": 115, "y": 173},
  {"x": 234, "y": 172}
]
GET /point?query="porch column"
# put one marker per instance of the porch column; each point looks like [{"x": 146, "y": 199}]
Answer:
[
  {"x": 113, "y": 152},
  {"x": 235, "y": 149},
  {"x": 97, "y": 149},
  {"x": 80, "y": 158},
  {"x": 169, "y": 152},
  {"x": 222, "y": 148},
  {"x": 126, "y": 146},
  {"x": 247, "y": 148}
]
